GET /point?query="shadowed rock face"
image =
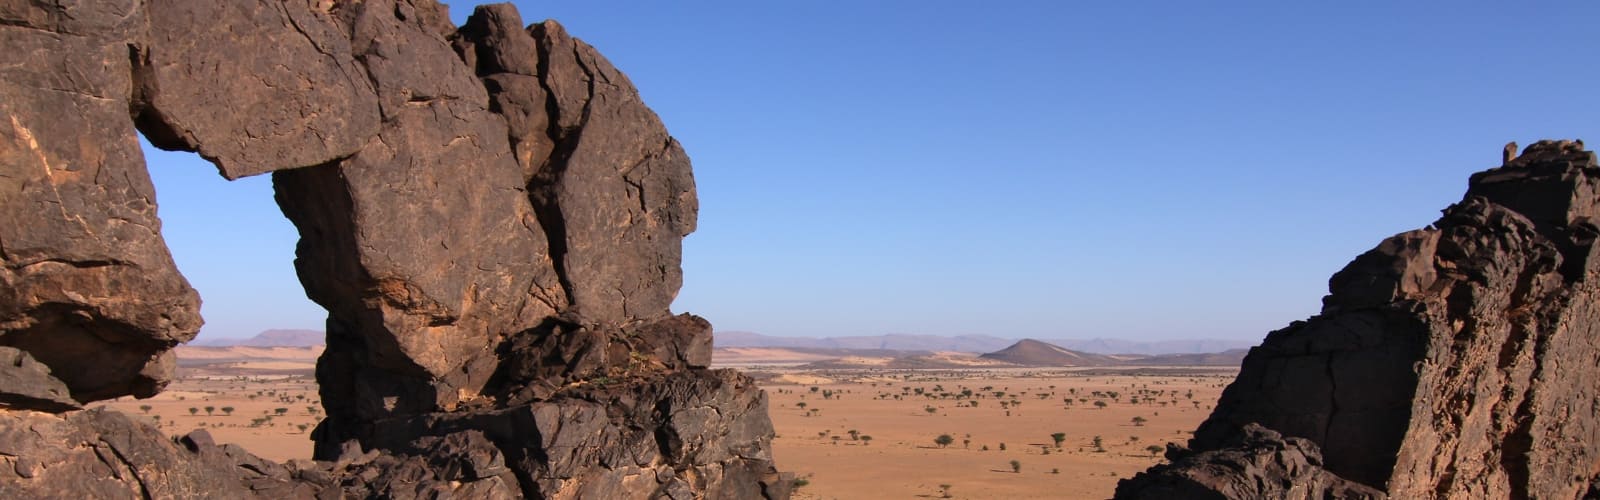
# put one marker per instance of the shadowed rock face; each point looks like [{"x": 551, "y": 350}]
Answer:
[
  {"x": 1450, "y": 361},
  {"x": 490, "y": 214}
]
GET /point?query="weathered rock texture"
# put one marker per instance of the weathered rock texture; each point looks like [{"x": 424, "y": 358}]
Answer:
[
  {"x": 490, "y": 214},
  {"x": 1257, "y": 463},
  {"x": 1454, "y": 361},
  {"x": 86, "y": 283}
]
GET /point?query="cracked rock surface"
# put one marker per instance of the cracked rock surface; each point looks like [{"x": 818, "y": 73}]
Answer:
[
  {"x": 490, "y": 214},
  {"x": 1454, "y": 361}
]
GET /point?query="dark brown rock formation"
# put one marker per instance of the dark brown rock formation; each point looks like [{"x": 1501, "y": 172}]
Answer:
[
  {"x": 26, "y": 384},
  {"x": 1451, "y": 361},
  {"x": 490, "y": 214},
  {"x": 1258, "y": 463},
  {"x": 86, "y": 284}
]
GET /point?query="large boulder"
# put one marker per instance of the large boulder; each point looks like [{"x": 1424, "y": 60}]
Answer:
[
  {"x": 1448, "y": 362},
  {"x": 614, "y": 190},
  {"x": 252, "y": 86},
  {"x": 87, "y": 286},
  {"x": 423, "y": 245}
]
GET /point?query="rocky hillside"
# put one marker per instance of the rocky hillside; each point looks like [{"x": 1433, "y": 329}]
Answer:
[
  {"x": 1453, "y": 361},
  {"x": 490, "y": 214}
]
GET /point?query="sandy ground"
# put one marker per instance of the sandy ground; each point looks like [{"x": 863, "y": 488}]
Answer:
[
  {"x": 892, "y": 454},
  {"x": 901, "y": 459},
  {"x": 255, "y": 421}
]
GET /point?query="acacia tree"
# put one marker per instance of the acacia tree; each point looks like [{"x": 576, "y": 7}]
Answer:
[
  {"x": 943, "y": 440},
  {"x": 1059, "y": 437},
  {"x": 1139, "y": 421},
  {"x": 1016, "y": 467},
  {"x": 210, "y": 410}
]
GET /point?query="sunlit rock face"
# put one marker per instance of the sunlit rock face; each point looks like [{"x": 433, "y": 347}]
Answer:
[
  {"x": 1454, "y": 361},
  {"x": 490, "y": 214}
]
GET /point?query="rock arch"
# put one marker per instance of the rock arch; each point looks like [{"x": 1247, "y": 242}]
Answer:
[{"x": 489, "y": 213}]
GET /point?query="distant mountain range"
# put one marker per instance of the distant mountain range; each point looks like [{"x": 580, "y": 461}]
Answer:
[
  {"x": 1029, "y": 352},
  {"x": 977, "y": 343},
  {"x": 1024, "y": 353},
  {"x": 877, "y": 345},
  {"x": 270, "y": 338}
]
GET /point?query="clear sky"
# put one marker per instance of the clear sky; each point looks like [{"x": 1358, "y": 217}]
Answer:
[{"x": 1133, "y": 170}]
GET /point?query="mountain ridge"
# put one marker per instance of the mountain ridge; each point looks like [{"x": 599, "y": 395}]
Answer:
[{"x": 276, "y": 337}]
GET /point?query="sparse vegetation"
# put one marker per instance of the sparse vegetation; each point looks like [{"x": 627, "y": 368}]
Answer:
[
  {"x": 979, "y": 410},
  {"x": 943, "y": 440}
]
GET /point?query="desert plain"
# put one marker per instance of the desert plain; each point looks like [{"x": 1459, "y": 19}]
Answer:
[{"x": 845, "y": 433}]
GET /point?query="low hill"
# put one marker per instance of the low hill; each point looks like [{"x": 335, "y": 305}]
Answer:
[
  {"x": 1029, "y": 352},
  {"x": 891, "y": 342}
]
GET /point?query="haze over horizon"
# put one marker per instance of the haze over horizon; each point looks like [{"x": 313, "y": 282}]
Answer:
[{"x": 1051, "y": 171}]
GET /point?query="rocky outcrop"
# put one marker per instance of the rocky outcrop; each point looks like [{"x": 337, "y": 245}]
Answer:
[
  {"x": 87, "y": 286},
  {"x": 1258, "y": 463},
  {"x": 28, "y": 384},
  {"x": 490, "y": 214},
  {"x": 105, "y": 454},
  {"x": 667, "y": 435},
  {"x": 1448, "y": 362}
]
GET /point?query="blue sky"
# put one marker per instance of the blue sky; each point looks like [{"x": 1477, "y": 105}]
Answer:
[{"x": 1049, "y": 169}]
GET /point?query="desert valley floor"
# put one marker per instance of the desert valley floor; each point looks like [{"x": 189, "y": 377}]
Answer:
[{"x": 858, "y": 433}]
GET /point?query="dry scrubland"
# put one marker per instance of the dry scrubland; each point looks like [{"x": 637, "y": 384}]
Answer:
[
  {"x": 272, "y": 415},
  {"x": 993, "y": 417},
  {"x": 893, "y": 452}
]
